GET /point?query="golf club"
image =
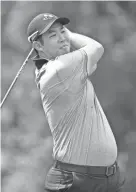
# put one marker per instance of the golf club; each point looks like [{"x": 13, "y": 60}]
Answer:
[{"x": 16, "y": 77}]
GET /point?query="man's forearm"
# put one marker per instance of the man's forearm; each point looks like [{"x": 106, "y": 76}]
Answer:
[{"x": 78, "y": 41}]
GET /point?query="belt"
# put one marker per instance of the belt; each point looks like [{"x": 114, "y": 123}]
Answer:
[{"x": 96, "y": 170}]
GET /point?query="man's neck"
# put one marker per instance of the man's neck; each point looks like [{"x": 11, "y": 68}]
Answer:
[{"x": 42, "y": 55}]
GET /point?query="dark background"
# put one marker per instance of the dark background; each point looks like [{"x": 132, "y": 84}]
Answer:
[{"x": 26, "y": 139}]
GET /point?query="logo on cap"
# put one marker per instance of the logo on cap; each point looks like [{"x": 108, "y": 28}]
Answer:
[{"x": 46, "y": 17}]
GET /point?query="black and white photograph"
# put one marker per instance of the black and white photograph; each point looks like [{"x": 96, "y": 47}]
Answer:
[{"x": 68, "y": 96}]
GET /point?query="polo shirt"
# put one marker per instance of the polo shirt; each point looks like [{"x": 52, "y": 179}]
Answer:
[{"x": 81, "y": 132}]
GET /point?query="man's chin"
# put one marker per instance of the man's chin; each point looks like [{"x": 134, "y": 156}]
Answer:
[{"x": 64, "y": 51}]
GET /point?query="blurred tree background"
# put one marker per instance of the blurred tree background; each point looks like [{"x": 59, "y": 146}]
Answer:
[{"x": 26, "y": 139}]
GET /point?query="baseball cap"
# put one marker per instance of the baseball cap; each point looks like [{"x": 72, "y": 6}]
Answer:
[{"x": 41, "y": 23}]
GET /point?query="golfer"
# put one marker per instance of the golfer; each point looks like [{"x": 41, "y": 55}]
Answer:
[{"x": 84, "y": 147}]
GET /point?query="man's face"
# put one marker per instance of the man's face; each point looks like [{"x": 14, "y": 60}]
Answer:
[{"x": 56, "y": 41}]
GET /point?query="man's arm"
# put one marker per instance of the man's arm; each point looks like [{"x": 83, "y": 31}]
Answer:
[{"x": 93, "y": 49}]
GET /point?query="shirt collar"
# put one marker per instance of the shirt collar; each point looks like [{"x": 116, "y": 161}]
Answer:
[{"x": 39, "y": 62}]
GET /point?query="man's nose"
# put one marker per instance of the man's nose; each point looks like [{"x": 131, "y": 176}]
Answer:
[{"x": 61, "y": 37}]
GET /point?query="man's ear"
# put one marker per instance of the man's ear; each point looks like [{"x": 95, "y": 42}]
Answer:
[{"x": 37, "y": 45}]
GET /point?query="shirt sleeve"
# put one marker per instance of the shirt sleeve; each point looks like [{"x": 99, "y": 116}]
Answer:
[
  {"x": 72, "y": 63},
  {"x": 93, "y": 54}
]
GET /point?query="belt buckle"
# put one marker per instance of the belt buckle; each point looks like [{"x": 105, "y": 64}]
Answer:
[{"x": 109, "y": 172}]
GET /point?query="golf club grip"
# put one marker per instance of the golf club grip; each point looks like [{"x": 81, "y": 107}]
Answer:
[{"x": 15, "y": 79}]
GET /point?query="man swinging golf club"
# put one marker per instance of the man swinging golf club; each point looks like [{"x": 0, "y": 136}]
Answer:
[{"x": 84, "y": 147}]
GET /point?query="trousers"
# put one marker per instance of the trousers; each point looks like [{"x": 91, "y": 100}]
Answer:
[{"x": 63, "y": 180}]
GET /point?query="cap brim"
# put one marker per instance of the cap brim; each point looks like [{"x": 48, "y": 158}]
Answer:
[{"x": 62, "y": 20}]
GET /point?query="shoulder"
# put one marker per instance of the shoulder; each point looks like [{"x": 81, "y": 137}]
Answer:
[
  {"x": 77, "y": 54},
  {"x": 72, "y": 58}
]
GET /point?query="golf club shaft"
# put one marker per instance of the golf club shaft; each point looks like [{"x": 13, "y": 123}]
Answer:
[{"x": 16, "y": 77}]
